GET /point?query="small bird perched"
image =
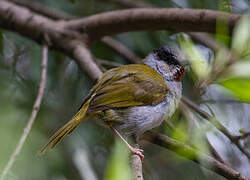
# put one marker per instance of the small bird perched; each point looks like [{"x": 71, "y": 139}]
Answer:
[{"x": 132, "y": 99}]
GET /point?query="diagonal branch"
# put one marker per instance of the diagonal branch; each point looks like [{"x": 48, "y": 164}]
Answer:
[
  {"x": 217, "y": 124},
  {"x": 33, "y": 113},
  {"x": 121, "y": 49},
  {"x": 194, "y": 155},
  {"x": 109, "y": 64},
  {"x": 59, "y": 15},
  {"x": 84, "y": 59},
  {"x": 188, "y": 114},
  {"x": 34, "y": 26}
]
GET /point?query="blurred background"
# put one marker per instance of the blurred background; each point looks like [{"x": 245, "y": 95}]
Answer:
[{"x": 92, "y": 152}]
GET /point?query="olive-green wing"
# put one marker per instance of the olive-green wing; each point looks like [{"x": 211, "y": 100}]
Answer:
[{"x": 130, "y": 85}]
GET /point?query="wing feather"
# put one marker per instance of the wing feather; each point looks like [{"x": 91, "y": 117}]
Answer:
[{"x": 129, "y": 85}]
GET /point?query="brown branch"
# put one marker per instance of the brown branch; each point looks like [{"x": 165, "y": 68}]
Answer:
[
  {"x": 174, "y": 19},
  {"x": 33, "y": 26},
  {"x": 217, "y": 124},
  {"x": 214, "y": 153},
  {"x": 201, "y": 38},
  {"x": 109, "y": 64},
  {"x": 34, "y": 112},
  {"x": 136, "y": 165},
  {"x": 114, "y": 44},
  {"x": 59, "y": 15},
  {"x": 84, "y": 59},
  {"x": 15, "y": 18},
  {"x": 122, "y": 50},
  {"x": 194, "y": 155}
]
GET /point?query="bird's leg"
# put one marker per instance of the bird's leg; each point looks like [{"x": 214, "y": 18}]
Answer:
[{"x": 134, "y": 150}]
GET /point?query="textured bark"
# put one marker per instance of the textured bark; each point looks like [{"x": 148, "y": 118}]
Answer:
[
  {"x": 115, "y": 22},
  {"x": 136, "y": 165}
]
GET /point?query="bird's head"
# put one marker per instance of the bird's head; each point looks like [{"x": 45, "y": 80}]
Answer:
[{"x": 165, "y": 60}]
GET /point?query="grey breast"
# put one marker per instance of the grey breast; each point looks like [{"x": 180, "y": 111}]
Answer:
[{"x": 136, "y": 120}]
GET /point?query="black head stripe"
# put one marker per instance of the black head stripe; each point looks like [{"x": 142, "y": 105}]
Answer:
[{"x": 167, "y": 54}]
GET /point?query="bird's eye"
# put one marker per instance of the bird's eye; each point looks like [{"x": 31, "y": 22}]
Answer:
[{"x": 179, "y": 73}]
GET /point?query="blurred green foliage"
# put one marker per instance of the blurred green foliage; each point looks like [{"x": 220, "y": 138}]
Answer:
[
  {"x": 241, "y": 37},
  {"x": 239, "y": 87},
  {"x": 118, "y": 164},
  {"x": 198, "y": 63}
]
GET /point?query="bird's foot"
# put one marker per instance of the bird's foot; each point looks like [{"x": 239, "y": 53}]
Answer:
[
  {"x": 137, "y": 151},
  {"x": 134, "y": 150}
]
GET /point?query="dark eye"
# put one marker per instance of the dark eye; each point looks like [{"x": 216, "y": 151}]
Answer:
[{"x": 179, "y": 73}]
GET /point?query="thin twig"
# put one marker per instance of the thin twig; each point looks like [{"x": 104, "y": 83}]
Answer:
[
  {"x": 188, "y": 114},
  {"x": 122, "y": 50},
  {"x": 217, "y": 124},
  {"x": 109, "y": 64},
  {"x": 214, "y": 153},
  {"x": 34, "y": 112},
  {"x": 243, "y": 136},
  {"x": 84, "y": 59}
]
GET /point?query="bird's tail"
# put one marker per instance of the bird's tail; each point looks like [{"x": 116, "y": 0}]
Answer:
[{"x": 66, "y": 129}]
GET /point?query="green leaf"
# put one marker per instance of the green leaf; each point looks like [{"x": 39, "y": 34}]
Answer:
[
  {"x": 241, "y": 37},
  {"x": 197, "y": 61},
  {"x": 225, "y": 5},
  {"x": 118, "y": 165},
  {"x": 240, "y": 87},
  {"x": 180, "y": 133},
  {"x": 222, "y": 27}
]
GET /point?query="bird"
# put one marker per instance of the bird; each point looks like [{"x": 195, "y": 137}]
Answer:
[{"x": 131, "y": 99}]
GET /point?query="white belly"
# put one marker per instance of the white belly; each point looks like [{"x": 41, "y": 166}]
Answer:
[{"x": 139, "y": 119}]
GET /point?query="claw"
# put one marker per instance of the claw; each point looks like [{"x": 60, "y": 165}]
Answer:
[
  {"x": 138, "y": 152},
  {"x": 134, "y": 150}
]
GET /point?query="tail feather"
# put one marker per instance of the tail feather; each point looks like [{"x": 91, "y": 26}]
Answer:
[{"x": 66, "y": 129}]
